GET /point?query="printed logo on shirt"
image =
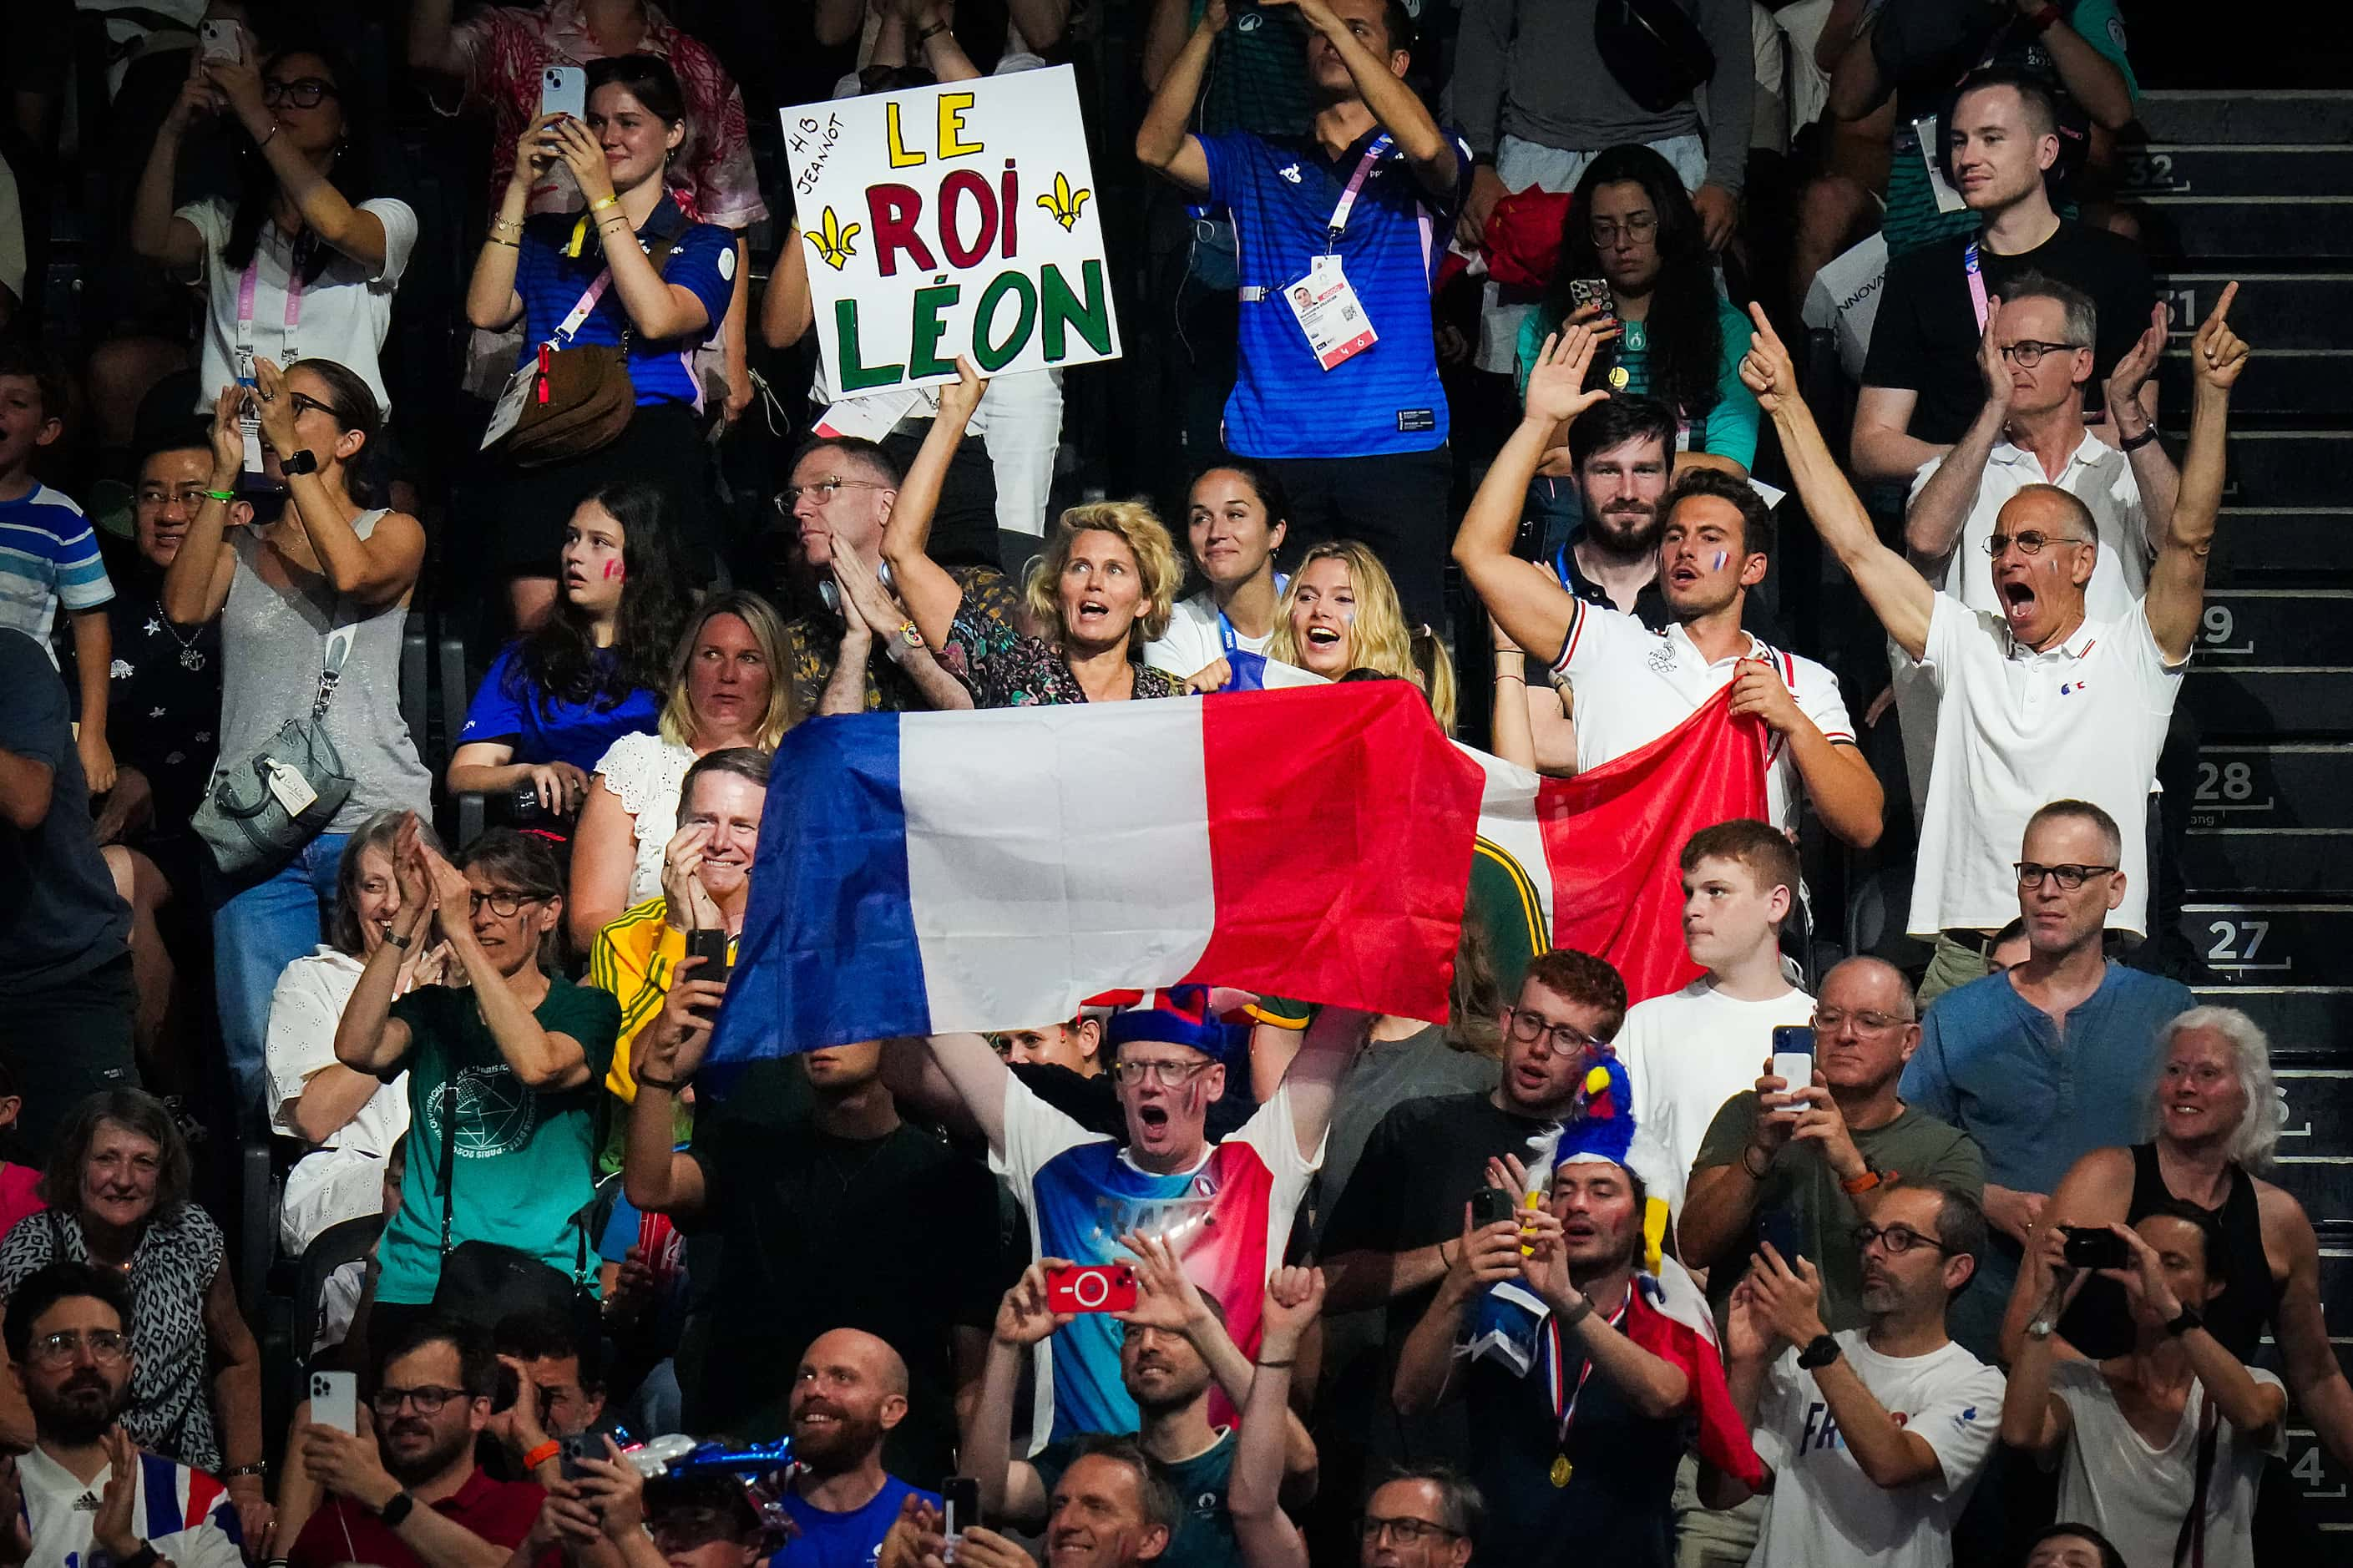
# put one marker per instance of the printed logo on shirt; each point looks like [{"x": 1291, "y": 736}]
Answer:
[
  {"x": 496, "y": 1114},
  {"x": 1965, "y": 1419},
  {"x": 2069, "y": 688},
  {"x": 1820, "y": 1430},
  {"x": 1247, "y": 22},
  {"x": 1409, "y": 420},
  {"x": 1291, "y": 173},
  {"x": 1177, "y": 1221}
]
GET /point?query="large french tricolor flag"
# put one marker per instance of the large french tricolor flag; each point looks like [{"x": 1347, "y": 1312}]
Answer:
[{"x": 920, "y": 873}]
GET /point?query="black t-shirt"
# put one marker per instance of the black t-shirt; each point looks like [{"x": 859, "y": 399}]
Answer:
[
  {"x": 1617, "y": 1503},
  {"x": 816, "y": 1235},
  {"x": 1925, "y": 338},
  {"x": 164, "y": 695},
  {"x": 64, "y": 918},
  {"x": 1419, "y": 1167}
]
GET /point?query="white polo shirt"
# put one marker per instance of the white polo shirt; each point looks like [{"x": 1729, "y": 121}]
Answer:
[
  {"x": 2017, "y": 729},
  {"x": 1631, "y": 685},
  {"x": 2098, "y": 475}
]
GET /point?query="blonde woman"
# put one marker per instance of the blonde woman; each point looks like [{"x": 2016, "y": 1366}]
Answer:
[
  {"x": 725, "y": 690},
  {"x": 1104, "y": 588},
  {"x": 1340, "y": 613}
]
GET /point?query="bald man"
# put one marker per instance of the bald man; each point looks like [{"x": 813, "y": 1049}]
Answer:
[
  {"x": 851, "y": 1389},
  {"x": 1812, "y": 1161}
]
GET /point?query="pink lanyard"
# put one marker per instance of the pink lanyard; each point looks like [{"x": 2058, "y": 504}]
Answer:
[
  {"x": 1355, "y": 183},
  {"x": 301, "y": 255},
  {"x": 1977, "y": 283}
]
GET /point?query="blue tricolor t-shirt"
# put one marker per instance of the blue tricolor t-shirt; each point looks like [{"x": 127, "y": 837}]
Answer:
[
  {"x": 852, "y": 1539},
  {"x": 1282, "y": 194},
  {"x": 551, "y": 282},
  {"x": 509, "y": 710}
]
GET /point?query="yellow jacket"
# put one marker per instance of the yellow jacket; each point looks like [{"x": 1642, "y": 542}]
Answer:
[{"x": 633, "y": 959}]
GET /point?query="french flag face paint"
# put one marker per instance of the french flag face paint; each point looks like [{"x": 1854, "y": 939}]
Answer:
[
  {"x": 1721, "y": 557},
  {"x": 612, "y": 571}
]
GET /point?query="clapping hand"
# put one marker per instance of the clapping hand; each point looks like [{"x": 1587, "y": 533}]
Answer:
[
  {"x": 273, "y": 403},
  {"x": 2132, "y": 372},
  {"x": 1993, "y": 365},
  {"x": 1748, "y": 1328},
  {"x": 111, "y": 1527},
  {"x": 687, "y": 905},
  {"x": 2217, "y": 354}
]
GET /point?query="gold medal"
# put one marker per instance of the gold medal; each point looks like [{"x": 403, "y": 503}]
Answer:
[
  {"x": 1619, "y": 378},
  {"x": 1561, "y": 1469}
]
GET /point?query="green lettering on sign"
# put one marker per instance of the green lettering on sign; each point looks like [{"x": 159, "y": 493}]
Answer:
[
  {"x": 923, "y": 348},
  {"x": 1092, "y": 317},
  {"x": 993, "y": 357},
  {"x": 857, "y": 377}
]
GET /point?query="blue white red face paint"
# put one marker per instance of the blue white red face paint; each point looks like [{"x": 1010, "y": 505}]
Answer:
[{"x": 1721, "y": 557}]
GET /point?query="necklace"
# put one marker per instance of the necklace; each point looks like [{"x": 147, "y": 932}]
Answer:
[{"x": 192, "y": 658}]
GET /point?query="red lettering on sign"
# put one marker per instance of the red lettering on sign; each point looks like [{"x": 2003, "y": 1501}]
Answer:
[
  {"x": 964, "y": 183},
  {"x": 892, "y": 211}
]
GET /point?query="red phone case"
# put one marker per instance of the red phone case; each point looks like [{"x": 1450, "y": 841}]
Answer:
[{"x": 1090, "y": 1288}]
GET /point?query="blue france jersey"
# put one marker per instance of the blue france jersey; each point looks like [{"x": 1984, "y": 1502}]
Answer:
[
  {"x": 1281, "y": 194},
  {"x": 1228, "y": 1219}
]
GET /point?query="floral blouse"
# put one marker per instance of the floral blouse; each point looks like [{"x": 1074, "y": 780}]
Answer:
[{"x": 1006, "y": 670}]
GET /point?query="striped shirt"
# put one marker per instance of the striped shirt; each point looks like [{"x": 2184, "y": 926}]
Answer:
[
  {"x": 633, "y": 959},
  {"x": 1386, "y": 398},
  {"x": 47, "y": 557}
]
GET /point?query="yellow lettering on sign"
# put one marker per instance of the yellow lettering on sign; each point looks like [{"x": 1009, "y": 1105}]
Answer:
[
  {"x": 900, "y": 157},
  {"x": 952, "y": 141}
]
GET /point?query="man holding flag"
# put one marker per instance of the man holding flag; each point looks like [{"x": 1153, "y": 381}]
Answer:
[
  {"x": 1631, "y": 686},
  {"x": 1225, "y": 1208}
]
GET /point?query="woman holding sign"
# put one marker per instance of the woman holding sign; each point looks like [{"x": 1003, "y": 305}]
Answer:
[
  {"x": 633, "y": 272},
  {"x": 1103, "y": 589}
]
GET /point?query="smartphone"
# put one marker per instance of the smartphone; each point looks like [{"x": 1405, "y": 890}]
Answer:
[
  {"x": 1779, "y": 1227},
  {"x": 335, "y": 1400},
  {"x": 2097, "y": 1247},
  {"x": 711, "y": 946},
  {"x": 1490, "y": 1205},
  {"x": 1793, "y": 1056},
  {"x": 572, "y": 1449},
  {"x": 563, "y": 90},
  {"x": 506, "y": 1391},
  {"x": 961, "y": 1497},
  {"x": 220, "y": 40},
  {"x": 1090, "y": 1288},
  {"x": 1584, "y": 291}
]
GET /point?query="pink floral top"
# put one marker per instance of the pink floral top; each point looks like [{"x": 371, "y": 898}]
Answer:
[{"x": 507, "y": 46}]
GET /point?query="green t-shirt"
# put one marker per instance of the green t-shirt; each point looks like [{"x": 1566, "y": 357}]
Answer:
[
  {"x": 525, "y": 1160},
  {"x": 1205, "y": 1530},
  {"x": 1727, "y": 430},
  {"x": 1916, "y": 1146},
  {"x": 1256, "y": 79}
]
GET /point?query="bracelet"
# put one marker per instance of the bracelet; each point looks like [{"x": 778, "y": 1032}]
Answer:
[
  {"x": 257, "y": 1469},
  {"x": 1755, "y": 1175},
  {"x": 266, "y": 141},
  {"x": 602, "y": 203},
  {"x": 542, "y": 1454},
  {"x": 1286, "y": 1362},
  {"x": 1443, "y": 1259},
  {"x": 494, "y": 239},
  {"x": 222, "y": 496},
  {"x": 507, "y": 225},
  {"x": 2045, "y": 19},
  {"x": 1584, "y": 1311},
  {"x": 666, "y": 1085},
  {"x": 1506, "y": 675},
  {"x": 2135, "y": 443},
  {"x": 928, "y": 34}
]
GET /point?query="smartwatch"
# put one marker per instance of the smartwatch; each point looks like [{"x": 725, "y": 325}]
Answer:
[
  {"x": 305, "y": 462},
  {"x": 392, "y": 1513},
  {"x": 2188, "y": 1320},
  {"x": 1823, "y": 1350}
]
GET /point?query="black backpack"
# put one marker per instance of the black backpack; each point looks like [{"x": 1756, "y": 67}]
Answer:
[{"x": 1653, "y": 48}]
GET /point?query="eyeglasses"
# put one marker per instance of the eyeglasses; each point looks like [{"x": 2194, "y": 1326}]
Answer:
[
  {"x": 428, "y": 1398},
  {"x": 303, "y": 93},
  {"x": 1528, "y": 1027},
  {"x": 303, "y": 404},
  {"x": 506, "y": 906},
  {"x": 1637, "y": 229},
  {"x": 1898, "y": 1239},
  {"x": 1404, "y": 1532},
  {"x": 2029, "y": 542},
  {"x": 2069, "y": 877},
  {"x": 1830, "y": 1020},
  {"x": 1168, "y": 1075},
  {"x": 107, "y": 1347},
  {"x": 190, "y": 496},
  {"x": 2029, "y": 352},
  {"x": 790, "y": 496}
]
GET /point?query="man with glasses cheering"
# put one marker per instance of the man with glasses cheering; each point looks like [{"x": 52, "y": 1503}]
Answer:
[
  {"x": 1225, "y": 1208},
  {"x": 2050, "y": 1060},
  {"x": 1872, "y": 1437},
  {"x": 413, "y": 1496},
  {"x": 83, "y": 1486},
  {"x": 2040, "y": 698}
]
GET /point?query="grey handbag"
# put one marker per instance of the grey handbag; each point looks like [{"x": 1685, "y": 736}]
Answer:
[{"x": 245, "y": 821}]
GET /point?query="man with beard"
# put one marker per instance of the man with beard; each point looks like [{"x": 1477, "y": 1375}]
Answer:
[
  {"x": 852, "y": 1388},
  {"x": 1581, "y": 1441},
  {"x": 413, "y": 1496},
  {"x": 83, "y": 1486},
  {"x": 1175, "y": 1347},
  {"x": 1226, "y": 1207},
  {"x": 1872, "y": 1439},
  {"x": 1628, "y": 686}
]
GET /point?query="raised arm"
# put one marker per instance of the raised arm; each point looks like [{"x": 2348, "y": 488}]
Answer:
[
  {"x": 2033, "y": 1417},
  {"x": 1533, "y": 609},
  {"x": 544, "y": 1060},
  {"x": 2092, "y": 80},
  {"x": 376, "y": 571},
  {"x": 1379, "y": 77},
  {"x": 432, "y": 41},
  {"x": 1010, "y": 1490},
  {"x": 325, "y": 210},
  {"x": 157, "y": 232},
  {"x": 367, "y": 1039},
  {"x": 1331, "y": 1043},
  {"x": 1653, "y": 1385},
  {"x": 1934, "y": 520},
  {"x": 1254, "y": 1493},
  {"x": 2254, "y": 1409},
  {"x": 787, "y": 310},
  {"x": 1162, "y": 141},
  {"x": 1880, "y": 441},
  {"x": 655, "y": 1176},
  {"x": 2177, "y": 583},
  {"x": 1857, "y": 86},
  {"x": 1748, "y": 1350},
  {"x": 2096, "y": 1191},
  {"x": 1887, "y": 1454},
  {"x": 656, "y": 309},
  {"x": 2130, "y": 416},
  {"x": 1897, "y": 595},
  {"x": 492, "y": 302},
  {"x": 930, "y": 594},
  {"x": 981, "y": 1079}
]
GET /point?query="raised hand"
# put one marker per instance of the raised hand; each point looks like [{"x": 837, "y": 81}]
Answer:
[
  {"x": 864, "y": 600},
  {"x": 1295, "y": 1298},
  {"x": 1166, "y": 1296},
  {"x": 1557, "y": 388},
  {"x": 1757, "y": 688},
  {"x": 1765, "y": 369},
  {"x": 958, "y": 401},
  {"x": 408, "y": 865},
  {"x": 2146, "y": 1292},
  {"x": 584, "y": 156},
  {"x": 687, "y": 904},
  {"x": 1748, "y": 1332},
  {"x": 2132, "y": 372},
  {"x": 1544, "y": 1262},
  {"x": 536, "y": 149},
  {"x": 673, "y": 1048},
  {"x": 1993, "y": 366},
  {"x": 1022, "y": 1317},
  {"x": 111, "y": 1527},
  {"x": 1789, "y": 1292},
  {"x": 228, "y": 437},
  {"x": 1484, "y": 1255},
  {"x": 274, "y": 404},
  {"x": 2217, "y": 354}
]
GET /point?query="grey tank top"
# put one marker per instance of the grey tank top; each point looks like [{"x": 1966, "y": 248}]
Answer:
[{"x": 273, "y": 645}]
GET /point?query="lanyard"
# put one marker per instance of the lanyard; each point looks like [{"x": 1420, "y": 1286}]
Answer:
[
  {"x": 301, "y": 254},
  {"x": 568, "y": 327},
  {"x": 1564, "y": 1397},
  {"x": 1228, "y": 638},
  {"x": 1977, "y": 283},
  {"x": 1355, "y": 183}
]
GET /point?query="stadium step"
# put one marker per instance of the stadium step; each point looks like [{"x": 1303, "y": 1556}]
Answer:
[
  {"x": 2232, "y": 169},
  {"x": 2273, "y": 944},
  {"x": 2273, "y": 628},
  {"x": 2271, "y": 819},
  {"x": 2305, "y": 1022},
  {"x": 2289, "y": 467},
  {"x": 2247, "y": 118},
  {"x": 2277, "y": 311},
  {"x": 2307, "y": 544},
  {"x": 2257, "y": 226},
  {"x": 2299, "y": 386},
  {"x": 2258, "y": 700}
]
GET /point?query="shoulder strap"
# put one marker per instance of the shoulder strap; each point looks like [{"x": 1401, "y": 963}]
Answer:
[
  {"x": 2190, "y": 1546},
  {"x": 339, "y": 650},
  {"x": 448, "y": 1155}
]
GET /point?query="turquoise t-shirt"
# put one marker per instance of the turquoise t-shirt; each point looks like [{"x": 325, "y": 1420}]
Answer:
[
  {"x": 1727, "y": 430},
  {"x": 525, "y": 1161},
  {"x": 1912, "y": 219}
]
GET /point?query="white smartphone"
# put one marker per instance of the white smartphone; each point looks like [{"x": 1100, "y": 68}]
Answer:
[
  {"x": 563, "y": 90},
  {"x": 334, "y": 1400},
  {"x": 220, "y": 40}
]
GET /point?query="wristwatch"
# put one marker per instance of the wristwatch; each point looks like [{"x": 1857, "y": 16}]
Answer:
[
  {"x": 1871, "y": 1177},
  {"x": 145, "y": 1557},
  {"x": 305, "y": 462},
  {"x": 1823, "y": 1350},
  {"x": 2188, "y": 1320},
  {"x": 2040, "y": 1328},
  {"x": 398, "y": 1509},
  {"x": 2135, "y": 443}
]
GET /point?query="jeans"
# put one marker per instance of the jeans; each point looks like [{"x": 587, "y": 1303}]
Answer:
[{"x": 260, "y": 928}]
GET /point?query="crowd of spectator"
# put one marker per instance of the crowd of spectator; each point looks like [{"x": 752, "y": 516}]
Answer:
[{"x": 1959, "y": 1247}]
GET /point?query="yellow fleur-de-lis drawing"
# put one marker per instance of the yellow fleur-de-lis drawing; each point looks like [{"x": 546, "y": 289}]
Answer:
[
  {"x": 1063, "y": 202},
  {"x": 832, "y": 240}
]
